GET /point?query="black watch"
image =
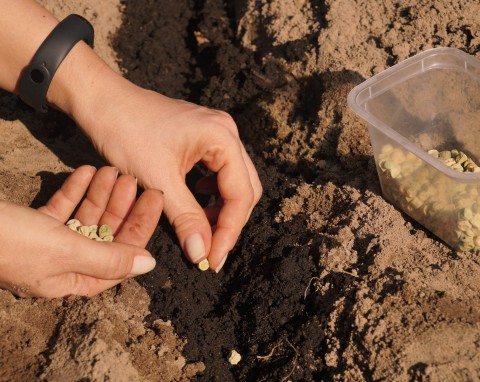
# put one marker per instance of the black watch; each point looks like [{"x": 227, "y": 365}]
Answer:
[{"x": 37, "y": 76}]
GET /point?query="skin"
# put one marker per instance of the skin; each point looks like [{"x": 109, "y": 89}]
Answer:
[
  {"x": 143, "y": 134},
  {"x": 65, "y": 262}
]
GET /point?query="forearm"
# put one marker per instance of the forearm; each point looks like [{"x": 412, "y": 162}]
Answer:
[
  {"x": 80, "y": 77},
  {"x": 24, "y": 25}
]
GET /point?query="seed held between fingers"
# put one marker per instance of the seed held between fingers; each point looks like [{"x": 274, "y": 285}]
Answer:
[{"x": 203, "y": 265}]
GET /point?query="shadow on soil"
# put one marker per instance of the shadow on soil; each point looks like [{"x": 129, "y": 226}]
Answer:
[{"x": 262, "y": 303}]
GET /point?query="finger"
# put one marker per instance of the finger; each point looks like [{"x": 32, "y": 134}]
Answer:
[
  {"x": 91, "y": 286},
  {"x": 98, "y": 195},
  {"x": 63, "y": 202},
  {"x": 237, "y": 193},
  {"x": 212, "y": 212},
  {"x": 187, "y": 219},
  {"x": 122, "y": 200},
  {"x": 142, "y": 220},
  {"x": 254, "y": 180},
  {"x": 108, "y": 261}
]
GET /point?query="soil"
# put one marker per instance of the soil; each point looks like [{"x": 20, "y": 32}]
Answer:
[{"x": 328, "y": 280}]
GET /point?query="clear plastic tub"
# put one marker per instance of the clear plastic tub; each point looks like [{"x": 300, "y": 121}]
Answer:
[{"x": 428, "y": 102}]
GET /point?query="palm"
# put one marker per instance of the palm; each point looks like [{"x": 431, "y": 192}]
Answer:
[{"x": 102, "y": 198}]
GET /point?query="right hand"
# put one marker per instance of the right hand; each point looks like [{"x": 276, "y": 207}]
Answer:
[{"x": 42, "y": 257}]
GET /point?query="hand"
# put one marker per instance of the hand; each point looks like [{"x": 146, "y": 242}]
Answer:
[
  {"x": 159, "y": 140},
  {"x": 40, "y": 256}
]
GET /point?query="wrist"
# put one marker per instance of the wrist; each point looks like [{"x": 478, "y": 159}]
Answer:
[
  {"x": 72, "y": 86},
  {"x": 88, "y": 91}
]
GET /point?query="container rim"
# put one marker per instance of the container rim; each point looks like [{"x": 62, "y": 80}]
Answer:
[{"x": 465, "y": 177}]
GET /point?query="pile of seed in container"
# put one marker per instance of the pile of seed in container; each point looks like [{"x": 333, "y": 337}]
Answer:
[
  {"x": 447, "y": 207},
  {"x": 94, "y": 232},
  {"x": 456, "y": 160}
]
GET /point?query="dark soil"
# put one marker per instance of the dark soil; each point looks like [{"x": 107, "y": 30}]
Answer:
[
  {"x": 257, "y": 304},
  {"x": 328, "y": 281},
  {"x": 260, "y": 304}
]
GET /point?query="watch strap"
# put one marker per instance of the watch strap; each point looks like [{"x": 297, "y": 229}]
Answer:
[{"x": 38, "y": 75}]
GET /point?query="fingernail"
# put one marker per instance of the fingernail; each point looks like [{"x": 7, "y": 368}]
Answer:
[
  {"x": 142, "y": 264},
  {"x": 220, "y": 266},
  {"x": 195, "y": 247},
  {"x": 116, "y": 174}
]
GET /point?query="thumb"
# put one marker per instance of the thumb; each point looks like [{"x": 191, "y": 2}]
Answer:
[
  {"x": 111, "y": 260},
  {"x": 188, "y": 220}
]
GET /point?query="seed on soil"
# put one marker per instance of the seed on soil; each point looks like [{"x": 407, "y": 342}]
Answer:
[
  {"x": 203, "y": 265},
  {"x": 234, "y": 357}
]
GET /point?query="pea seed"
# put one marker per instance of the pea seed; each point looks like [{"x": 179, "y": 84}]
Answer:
[
  {"x": 107, "y": 238},
  {"x": 475, "y": 221},
  {"x": 464, "y": 225},
  {"x": 470, "y": 166},
  {"x": 398, "y": 156},
  {"x": 395, "y": 172},
  {"x": 444, "y": 154},
  {"x": 203, "y": 265},
  {"x": 388, "y": 165},
  {"x": 84, "y": 230},
  {"x": 457, "y": 167},
  {"x": 465, "y": 214},
  {"x": 461, "y": 158},
  {"x": 234, "y": 357},
  {"x": 73, "y": 224},
  {"x": 104, "y": 230},
  {"x": 449, "y": 162},
  {"x": 93, "y": 235}
]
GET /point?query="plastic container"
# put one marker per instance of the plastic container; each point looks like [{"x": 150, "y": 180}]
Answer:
[{"x": 428, "y": 102}]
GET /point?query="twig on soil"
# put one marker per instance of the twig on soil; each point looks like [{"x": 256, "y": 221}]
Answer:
[
  {"x": 277, "y": 345},
  {"x": 308, "y": 287},
  {"x": 294, "y": 361},
  {"x": 269, "y": 355},
  {"x": 346, "y": 272}
]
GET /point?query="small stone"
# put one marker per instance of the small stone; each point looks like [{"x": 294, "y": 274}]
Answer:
[
  {"x": 203, "y": 265},
  {"x": 234, "y": 357}
]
